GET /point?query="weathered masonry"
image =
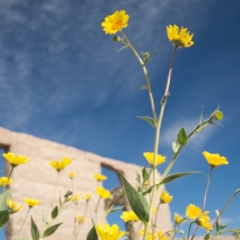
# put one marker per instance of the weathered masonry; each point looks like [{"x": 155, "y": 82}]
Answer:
[{"x": 36, "y": 179}]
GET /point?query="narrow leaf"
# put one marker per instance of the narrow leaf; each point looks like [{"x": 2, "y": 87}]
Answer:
[
  {"x": 116, "y": 209},
  {"x": 207, "y": 236},
  {"x": 182, "y": 137},
  {"x": 49, "y": 231},
  {"x": 137, "y": 201},
  {"x": 4, "y": 217},
  {"x": 3, "y": 199},
  {"x": 55, "y": 212},
  {"x": 175, "y": 147},
  {"x": 148, "y": 190},
  {"x": 92, "y": 235},
  {"x": 34, "y": 230},
  {"x": 149, "y": 120},
  {"x": 174, "y": 176},
  {"x": 44, "y": 218}
]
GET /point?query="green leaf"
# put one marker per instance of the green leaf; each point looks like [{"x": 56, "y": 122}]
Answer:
[
  {"x": 201, "y": 127},
  {"x": 115, "y": 209},
  {"x": 3, "y": 199},
  {"x": 137, "y": 201},
  {"x": 217, "y": 224},
  {"x": 34, "y": 230},
  {"x": 44, "y": 218},
  {"x": 4, "y": 217},
  {"x": 174, "y": 176},
  {"x": 207, "y": 236},
  {"x": 175, "y": 147},
  {"x": 55, "y": 212},
  {"x": 144, "y": 173},
  {"x": 92, "y": 235},
  {"x": 149, "y": 120},
  {"x": 148, "y": 190},
  {"x": 144, "y": 87},
  {"x": 63, "y": 208},
  {"x": 182, "y": 137},
  {"x": 49, "y": 231}
]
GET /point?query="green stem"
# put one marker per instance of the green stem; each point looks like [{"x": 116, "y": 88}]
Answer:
[
  {"x": 204, "y": 200},
  {"x": 189, "y": 229},
  {"x": 224, "y": 208},
  {"x": 145, "y": 74},
  {"x": 156, "y": 145},
  {"x": 155, "y": 221},
  {"x": 19, "y": 231}
]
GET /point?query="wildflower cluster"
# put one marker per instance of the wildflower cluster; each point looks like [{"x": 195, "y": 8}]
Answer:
[{"x": 143, "y": 201}]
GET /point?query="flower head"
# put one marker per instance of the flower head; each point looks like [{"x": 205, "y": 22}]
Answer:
[
  {"x": 31, "y": 202},
  {"x": 108, "y": 232},
  {"x": 72, "y": 175},
  {"x": 13, "y": 206},
  {"x": 60, "y": 165},
  {"x": 80, "y": 218},
  {"x": 4, "y": 181},
  {"x": 218, "y": 115},
  {"x": 99, "y": 177},
  {"x": 87, "y": 197},
  {"x": 115, "y": 22},
  {"x": 214, "y": 160},
  {"x": 178, "y": 219},
  {"x": 165, "y": 197},
  {"x": 151, "y": 236},
  {"x": 128, "y": 216},
  {"x": 180, "y": 38},
  {"x": 161, "y": 236},
  {"x": 15, "y": 160},
  {"x": 150, "y": 158},
  {"x": 203, "y": 221},
  {"x": 193, "y": 211},
  {"x": 103, "y": 193},
  {"x": 75, "y": 198}
]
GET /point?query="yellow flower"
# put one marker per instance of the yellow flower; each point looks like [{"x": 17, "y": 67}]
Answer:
[
  {"x": 103, "y": 193},
  {"x": 214, "y": 160},
  {"x": 218, "y": 115},
  {"x": 80, "y": 218},
  {"x": 180, "y": 38},
  {"x": 4, "y": 181},
  {"x": 161, "y": 236},
  {"x": 75, "y": 198},
  {"x": 31, "y": 202},
  {"x": 87, "y": 196},
  {"x": 128, "y": 216},
  {"x": 150, "y": 158},
  {"x": 154, "y": 210},
  {"x": 72, "y": 175},
  {"x": 13, "y": 206},
  {"x": 99, "y": 177},
  {"x": 108, "y": 232},
  {"x": 15, "y": 160},
  {"x": 151, "y": 236},
  {"x": 178, "y": 218},
  {"x": 203, "y": 221},
  {"x": 193, "y": 211},
  {"x": 115, "y": 22},
  {"x": 60, "y": 165},
  {"x": 165, "y": 197}
]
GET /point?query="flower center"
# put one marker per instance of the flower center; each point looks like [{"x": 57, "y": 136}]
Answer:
[{"x": 117, "y": 25}]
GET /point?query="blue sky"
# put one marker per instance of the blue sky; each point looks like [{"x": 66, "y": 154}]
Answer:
[{"x": 62, "y": 79}]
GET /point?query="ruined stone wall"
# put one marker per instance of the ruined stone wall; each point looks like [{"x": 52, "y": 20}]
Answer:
[{"x": 36, "y": 179}]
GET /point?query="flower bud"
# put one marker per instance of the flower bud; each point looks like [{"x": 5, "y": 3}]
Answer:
[
  {"x": 218, "y": 115},
  {"x": 116, "y": 38}
]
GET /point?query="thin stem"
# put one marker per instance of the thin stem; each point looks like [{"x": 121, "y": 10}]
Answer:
[
  {"x": 189, "y": 229},
  {"x": 155, "y": 221},
  {"x": 19, "y": 231},
  {"x": 224, "y": 208},
  {"x": 156, "y": 144},
  {"x": 145, "y": 74},
  {"x": 55, "y": 186},
  {"x": 204, "y": 200}
]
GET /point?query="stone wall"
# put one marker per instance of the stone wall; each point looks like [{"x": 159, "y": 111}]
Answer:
[{"x": 36, "y": 179}]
